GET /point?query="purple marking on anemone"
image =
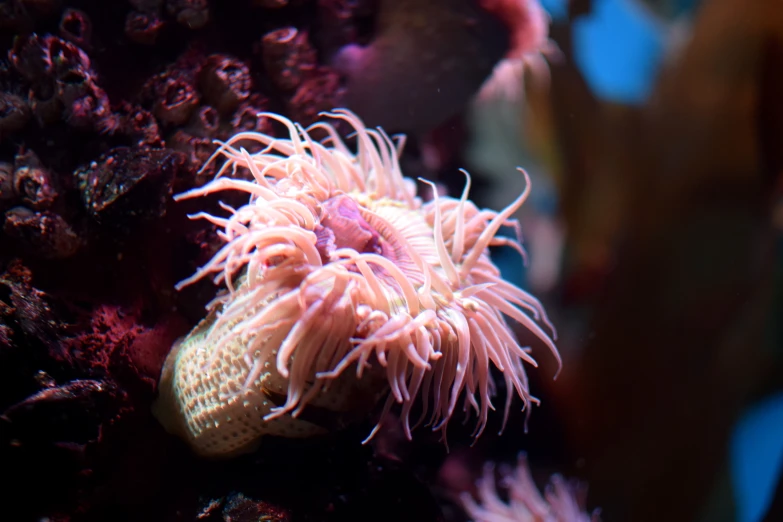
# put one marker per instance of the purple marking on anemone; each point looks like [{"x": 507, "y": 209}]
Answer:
[{"x": 342, "y": 216}]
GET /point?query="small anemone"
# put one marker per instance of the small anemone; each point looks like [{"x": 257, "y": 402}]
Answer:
[{"x": 563, "y": 501}]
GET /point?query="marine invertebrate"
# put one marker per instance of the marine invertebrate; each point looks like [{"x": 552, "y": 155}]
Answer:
[
  {"x": 138, "y": 124},
  {"x": 246, "y": 117},
  {"x": 178, "y": 99},
  {"x": 563, "y": 501},
  {"x": 63, "y": 83},
  {"x": 76, "y": 27},
  {"x": 336, "y": 265},
  {"x": 33, "y": 182},
  {"x": 143, "y": 28},
  {"x": 316, "y": 94},
  {"x": 287, "y": 56},
  {"x": 225, "y": 82}
]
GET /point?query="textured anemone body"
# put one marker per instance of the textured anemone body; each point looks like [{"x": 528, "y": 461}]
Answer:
[
  {"x": 336, "y": 265},
  {"x": 220, "y": 415}
]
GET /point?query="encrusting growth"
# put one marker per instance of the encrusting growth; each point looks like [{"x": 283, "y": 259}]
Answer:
[{"x": 335, "y": 265}]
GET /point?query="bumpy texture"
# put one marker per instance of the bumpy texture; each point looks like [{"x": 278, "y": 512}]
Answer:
[
  {"x": 224, "y": 415},
  {"x": 335, "y": 264}
]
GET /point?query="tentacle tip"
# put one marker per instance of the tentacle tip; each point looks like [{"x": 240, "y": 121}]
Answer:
[
  {"x": 186, "y": 195},
  {"x": 372, "y": 434}
]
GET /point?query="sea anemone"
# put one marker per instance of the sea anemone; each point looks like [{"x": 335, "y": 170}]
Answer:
[
  {"x": 335, "y": 264},
  {"x": 563, "y": 501}
]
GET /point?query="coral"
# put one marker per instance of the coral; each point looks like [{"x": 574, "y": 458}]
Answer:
[
  {"x": 336, "y": 264},
  {"x": 63, "y": 83},
  {"x": 225, "y": 82},
  {"x": 287, "y": 56},
  {"x": 138, "y": 124},
  {"x": 95, "y": 107},
  {"x": 321, "y": 92},
  {"x": 246, "y": 118},
  {"x": 143, "y": 28},
  {"x": 77, "y": 423},
  {"x": 177, "y": 100},
  {"x": 76, "y": 27},
  {"x": 205, "y": 122}
]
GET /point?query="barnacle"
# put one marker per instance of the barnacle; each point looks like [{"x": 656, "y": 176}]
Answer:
[{"x": 335, "y": 265}]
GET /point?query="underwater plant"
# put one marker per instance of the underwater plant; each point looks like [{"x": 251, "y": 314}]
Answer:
[
  {"x": 335, "y": 264},
  {"x": 563, "y": 501}
]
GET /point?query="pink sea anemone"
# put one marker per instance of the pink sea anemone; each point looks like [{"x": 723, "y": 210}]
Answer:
[
  {"x": 335, "y": 265},
  {"x": 563, "y": 501}
]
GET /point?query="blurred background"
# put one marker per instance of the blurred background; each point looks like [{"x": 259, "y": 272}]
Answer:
[{"x": 655, "y": 238}]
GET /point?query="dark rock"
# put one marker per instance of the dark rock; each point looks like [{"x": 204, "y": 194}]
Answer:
[
  {"x": 239, "y": 508},
  {"x": 45, "y": 233},
  {"x": 14, "y": 113},
  {"x": 27, "y": 311},
  {"x": 193, "y": 14},
  {"x": 125, "y": 185}
]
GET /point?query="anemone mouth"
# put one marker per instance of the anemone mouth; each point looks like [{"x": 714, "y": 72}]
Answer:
[{"x": 334, "y": 263}]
